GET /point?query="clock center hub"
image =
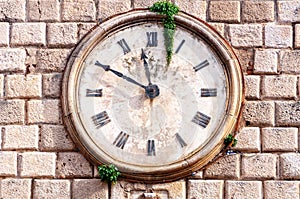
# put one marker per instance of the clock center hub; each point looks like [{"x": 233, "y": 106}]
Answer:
[{"x": 152, "y": 91}]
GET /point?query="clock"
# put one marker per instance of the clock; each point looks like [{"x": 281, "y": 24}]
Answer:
[{"x": 123, "y": 104}]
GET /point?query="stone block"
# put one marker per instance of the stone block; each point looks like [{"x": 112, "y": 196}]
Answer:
[
  {"x": 46, "y": 188},
  {"x": 246, "y": 58},
  {"x": 279, "y": 139},
  {"x": 288, "y": 11},
  {"x": 1, "y": 86},
  {"x": 127, "y": 190},
  {"x": 246, "y": 35},
  {"x": 281, "y": 189},
  {"x": 20, "y": 137},
  {"x": 8, "y": 162},
  {"x": 196, "y": 7},
  {"x": 289, "y": 61},
  {"x": 224, "y": 167},
  {"x": 278, "y": 36},
  {"x": 265, "y": 62},
  {"x": 107, "y": 8},
  {"x": 37, "y": 164},
  {"x": 259, "y": 166},
  {"x": 4, "y": 34},
  {"x": 224, "y": 11},
  {"x": 55, "y": 137},
  {"x": 258, "y": 11},
  {"x": 219, "y": 27},
  {"x": 20, "y": 86},
  {"x": 44, "y": 111},
  {"x": 12, "y": 111},
  {"x": 248, "y": 139},
  {"x": 290, "y": 166},
  {"x": 198, "y": 189},
  {"x": 84, "y": 28},
  {"x": 61, "y": 34},
  {"x": 297, "y": 36},
  {"x": 12, "y": 60},
  {"x": 51, "y": 60},
  {"x": 52, "y": 85},
  {"x": 72, "y": 164},
  {"x": 15, "y": 188},
  {"x": 243, "y": 189},
  {"x": 252, "y": 86},
  {"x": 145, "y": 4},
  {"x": 93, "y": 188},
  {"x": 12, "y": 10},
  {"x": 78, "y": 10},
  {"x": 43, "y": 10},
  {"x": 259, "y": 113},
  {"x": 287, "y": 113},
  {"x": 280, "y": 86},
  {"x": 28, "y": 34}
]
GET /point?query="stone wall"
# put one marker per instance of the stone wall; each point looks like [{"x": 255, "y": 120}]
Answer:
[{"x": 37, "y": 157}]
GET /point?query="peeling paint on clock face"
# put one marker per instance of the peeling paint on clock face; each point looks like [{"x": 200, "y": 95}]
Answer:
[{"x": 128, "y": 125}]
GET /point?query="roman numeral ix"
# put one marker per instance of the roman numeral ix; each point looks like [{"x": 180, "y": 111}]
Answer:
[
  {"x": 94, "y": 92},
  {"x": 201, "y": 119},
  {"x": 101, "y": 119}
]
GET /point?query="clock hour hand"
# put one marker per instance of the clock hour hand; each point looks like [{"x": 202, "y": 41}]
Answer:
[
  {"x": 147, "y": 71},
  {"x": 119, "y": 74}
]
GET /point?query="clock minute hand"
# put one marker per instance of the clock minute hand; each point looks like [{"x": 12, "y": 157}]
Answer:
[
  {"x": 147, "y": 71},
  {"x": 119, "y": 74}
]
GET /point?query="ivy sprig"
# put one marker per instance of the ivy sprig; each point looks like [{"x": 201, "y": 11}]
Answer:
[
  {"x": 108, "y": 173},
  {"x": 168, "y": 9}
]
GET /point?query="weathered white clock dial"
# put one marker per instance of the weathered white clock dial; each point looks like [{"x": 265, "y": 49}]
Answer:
[{"x": 130, "y": 108}]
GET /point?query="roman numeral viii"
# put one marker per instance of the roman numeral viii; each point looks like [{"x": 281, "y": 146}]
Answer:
[
  {"x": 121, "y": 140},
  {"x": 201, "y": 119},
  {"x": 101, "y": 119},
  {"x": 151, "y": 148},
  {"x": 124, "y": 46}
]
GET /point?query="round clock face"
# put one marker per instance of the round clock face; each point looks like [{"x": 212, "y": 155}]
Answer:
[{"x": 155, "y": 121}]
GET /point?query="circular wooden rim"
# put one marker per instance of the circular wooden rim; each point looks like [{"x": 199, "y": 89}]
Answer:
[{"x": 197, "y": 159}]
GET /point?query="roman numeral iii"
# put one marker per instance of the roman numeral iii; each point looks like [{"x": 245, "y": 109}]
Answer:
[
  {"x": 201, "y": 65},
  {"x": 201, "y": 119},
  {"x": 152, "y": 39},
  {"x": 101, "y": 119},
  {"x": 94, "y": 92},
  {"x": 208, "y": 92},
  {"x": 124, "y": 46},
  {"x": 121, "y": 140},
  {"x": 151, "y": 148}
]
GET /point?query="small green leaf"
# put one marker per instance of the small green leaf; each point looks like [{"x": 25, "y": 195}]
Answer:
[{"x": 109, "y": 173}]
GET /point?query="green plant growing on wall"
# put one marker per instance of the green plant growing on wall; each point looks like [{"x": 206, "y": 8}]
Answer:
[
  {"x": 109, "y": 173},
  {"x": 230, "y": 140},
  {"x": 169, "y": 10}
]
